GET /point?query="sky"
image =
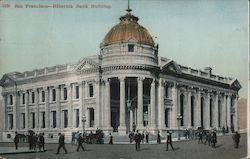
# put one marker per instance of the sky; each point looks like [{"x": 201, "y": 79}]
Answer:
[{"x": 194, "y": 33}]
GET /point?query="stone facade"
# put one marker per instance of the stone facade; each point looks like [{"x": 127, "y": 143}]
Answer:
[{"x": 127, "y": 84}]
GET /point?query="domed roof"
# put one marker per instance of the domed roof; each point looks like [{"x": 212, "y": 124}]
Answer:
[{"x": 127, "y": 29}]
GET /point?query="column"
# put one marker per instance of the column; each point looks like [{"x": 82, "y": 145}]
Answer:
[
  {"x": 14, "y": 111},
  {"x": 58, "y": 107},
  {"x": 161, "y": 107},
  {"x": 140, "y": 103},
  {"x": 188, "y": 109},
  {"x": 224, "y": 111},
  {"x": 69, "y": 98},
  {"x": 87, "y": 118},
  {"x": 216, "y": 110},
  {"x": 26, "y": 110},
  {"x": 236, "y": 113},
  {"x": 80, "y": 103},
  {"x": 97, "y": 108},
  {"x": 5, "y": 116},
  {"x": 47, "y": 111},
  {"x": 152, "y": 106},
  {"x": 37, "y": 108},
  {"x": 122, "y": 127},
  {"x": 107, "y": 108},
  {"x": 198, "y": 109},
  {"x": 207, "y": 111},
  {"x": 174, "y": 107}
]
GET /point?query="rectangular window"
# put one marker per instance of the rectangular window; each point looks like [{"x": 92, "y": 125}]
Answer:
[
  {"x": 53, "y": 95},
  {"x": 10, "y": 125},
  {"x": 33, "y": 97},
  {"x": 11, "y": 100},
  {"x": 65, "y": 93},
  {"x": 77, "y": 118},
  {"x": 43, "y": 96},
  {"x": 92, "y": 117},
  {"x": 77, "y": 92},
  {"x": 91, "y": 90},
  {"x": 54, "y": 119},
  {"x": 23, "y": 96},
  {"x": 65, "y": 116},
  {"x": 33, "y": 120},
  {"x": 43, "y": 119},
  {"x": 131, "y": 48},
  {"x": 23, "y": 120}
]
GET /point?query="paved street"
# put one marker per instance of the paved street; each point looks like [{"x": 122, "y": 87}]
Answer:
[{"x": 184, "y": 150}]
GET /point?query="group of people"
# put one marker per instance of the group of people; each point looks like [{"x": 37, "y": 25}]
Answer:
[
  {"x": 144, "y": 136},
  {"x": 36, "y": 141},
  {"x": 210, "y": 137}
]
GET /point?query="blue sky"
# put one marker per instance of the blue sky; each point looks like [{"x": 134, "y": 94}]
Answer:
[{"x": 195, "y": 33}]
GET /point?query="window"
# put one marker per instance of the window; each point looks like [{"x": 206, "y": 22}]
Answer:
[
  {"x": 65, "y": 117},
  {"x": 33, "y": 119},
  {"x": 23, "y": 96},
  {"x": 91, "y": 117},
  {"x": 11, "y": 100},
  {"x": 91, "y": 90},
  {"x": 43, "y": 96},
  {"x": 53, "y": 95},
  {"x": 43, "y": 119},
  {"x": 130, "y": 48},
  {"x": 77, "y": 92},
  {"x": 77, "y": 118},
  {"x": 33, "y": 97},
  {"x": 10, "y": 125},
  {"x": 23, "y": 120},
  {"x": 65, "y": 93},
  {"x": 54, "y": 119}
]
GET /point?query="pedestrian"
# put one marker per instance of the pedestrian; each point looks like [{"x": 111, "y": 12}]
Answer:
[
  {"x": 35, "y": 138},
  {"x": 169, "y": 140},
  {"x": 80, "y": 141},
  {"x": 200, "y": 136},
  {"x": 213, "y": 139},
  {"x": 138, "y": 139},
  {"x": 131, "y": 136},
  {"x": 147, "y": 135},
  {"x": 208, "y": 138},
  {"x": 16, "y": 140},
  {"x": 41, "y": 139},
  {"x": 223, "y": 130},
  {"x": 110, "y": 139},
  {"x": 61, "y": 143},
  {"x": 236, "y": 139},
  {"x": 30, "y": 140},
  {"x": 158, "y": 137},
  {"x": 142, "y": 135}
]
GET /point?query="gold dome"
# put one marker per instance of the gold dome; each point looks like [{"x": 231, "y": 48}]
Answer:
[{"x": 128, "y": 28}]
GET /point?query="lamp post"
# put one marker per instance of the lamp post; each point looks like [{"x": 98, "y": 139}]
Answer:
[
  {"x": 179, "y": 117},
  {"x": 83, "y": 123}
]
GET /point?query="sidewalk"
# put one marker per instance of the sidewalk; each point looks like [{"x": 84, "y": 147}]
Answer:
[{"x": 12, "y": 150}]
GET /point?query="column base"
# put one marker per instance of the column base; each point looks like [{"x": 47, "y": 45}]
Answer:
[
  {"x": 122, "y": 130},
  {"x": 141, "y": 127},
  {"x": 107, "y": 130}
]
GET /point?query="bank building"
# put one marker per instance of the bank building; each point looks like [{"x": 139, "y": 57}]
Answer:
[{"x": 128, "y": 84}]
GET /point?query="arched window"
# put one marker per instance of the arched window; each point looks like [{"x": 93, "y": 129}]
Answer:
[{"x": 182, "y": 109}]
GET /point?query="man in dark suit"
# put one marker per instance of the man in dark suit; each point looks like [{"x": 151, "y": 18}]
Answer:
[
  {"x": 61, "y": 144},
  {"x": 138, "y": 139},
  {"x": 169, "y": 140},
  {"x": 80, "y": 141},
  {"x": 236, "y": 138},
  {"x": 16, "y": 140}
]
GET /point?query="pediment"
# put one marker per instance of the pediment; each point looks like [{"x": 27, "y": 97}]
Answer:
[
  {"x": 235, "y": 84},
  {"x": 6, "y": 80},
  {"x": 171, "y": 66},
  {"x": 86, "y": 64}
]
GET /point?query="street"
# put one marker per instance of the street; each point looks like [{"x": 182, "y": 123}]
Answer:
[{"x": 184, "y": 150}]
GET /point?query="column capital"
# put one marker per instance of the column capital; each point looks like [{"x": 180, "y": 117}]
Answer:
[
  {"x": 121, "y": 78},
  {"x": 45, "y": 88},
  {"x": 140, "y": 78}
]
